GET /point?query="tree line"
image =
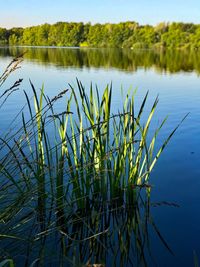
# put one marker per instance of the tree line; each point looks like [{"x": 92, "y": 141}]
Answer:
[{"x": 123, "y": 35}]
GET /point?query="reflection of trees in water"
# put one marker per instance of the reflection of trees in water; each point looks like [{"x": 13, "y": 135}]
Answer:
[{"x": 124, "y": 59}]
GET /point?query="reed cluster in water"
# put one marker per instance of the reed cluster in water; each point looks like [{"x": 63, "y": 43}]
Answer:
[{"x": 71, "y": 177}]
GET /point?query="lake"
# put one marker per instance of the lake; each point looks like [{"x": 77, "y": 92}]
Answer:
[{"x": 174, "y": 77}]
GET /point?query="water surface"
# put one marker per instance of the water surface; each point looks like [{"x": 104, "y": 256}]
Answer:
[{"x": 174, "y": 76}]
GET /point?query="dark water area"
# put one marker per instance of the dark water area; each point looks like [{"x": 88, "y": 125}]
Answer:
[{"x": 174, "y": 235}]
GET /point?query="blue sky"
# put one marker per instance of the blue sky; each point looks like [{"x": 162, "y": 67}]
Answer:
[{"x": 34, "y": 12}]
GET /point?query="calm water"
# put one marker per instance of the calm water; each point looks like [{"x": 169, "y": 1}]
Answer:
[{"x": 174, "y": 76}]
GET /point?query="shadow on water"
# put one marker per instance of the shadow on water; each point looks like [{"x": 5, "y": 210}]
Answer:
[{"x": 172, "y": 61}]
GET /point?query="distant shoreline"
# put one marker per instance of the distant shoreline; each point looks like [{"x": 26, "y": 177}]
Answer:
[
  {"x": 121, "y": 35},
  {"x": 95, "y": 48}
]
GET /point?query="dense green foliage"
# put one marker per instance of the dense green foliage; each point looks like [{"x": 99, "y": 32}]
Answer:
[{"x": 124, "y": 34}]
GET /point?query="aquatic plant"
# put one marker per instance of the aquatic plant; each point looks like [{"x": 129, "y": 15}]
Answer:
[{"x": 73, "y": 177}]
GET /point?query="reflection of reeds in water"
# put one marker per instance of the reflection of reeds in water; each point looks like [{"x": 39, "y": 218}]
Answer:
[
  {"x": 111, "y": 234},
  {"x": 77, "y": 199}
]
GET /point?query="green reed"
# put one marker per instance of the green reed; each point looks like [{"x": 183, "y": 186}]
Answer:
[
  {"x": 59, "y": 166},
  {"x": 98, "y": 154}
]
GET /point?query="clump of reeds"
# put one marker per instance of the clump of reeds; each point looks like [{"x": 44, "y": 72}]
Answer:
[{"x": 97, "y": 161}]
